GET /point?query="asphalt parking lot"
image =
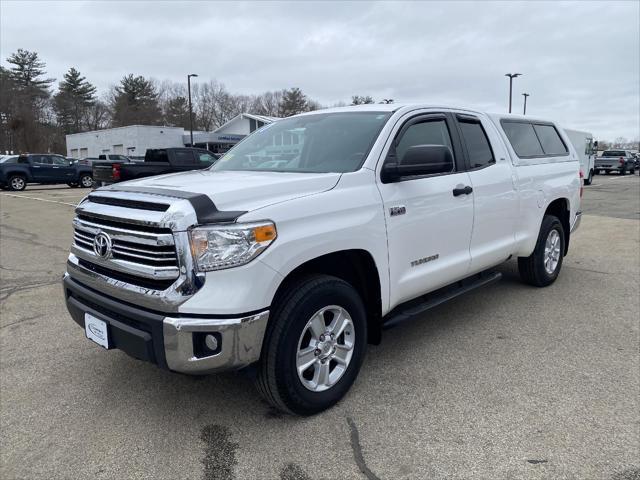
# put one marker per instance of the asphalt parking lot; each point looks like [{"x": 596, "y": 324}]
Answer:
[{"x": 507, "y": 382}]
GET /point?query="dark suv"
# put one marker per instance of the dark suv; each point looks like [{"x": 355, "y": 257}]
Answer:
[{"x": 43, "y": 168}]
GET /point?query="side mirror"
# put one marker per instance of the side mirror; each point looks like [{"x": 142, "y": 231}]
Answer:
[{"x": 419, "y": 160}]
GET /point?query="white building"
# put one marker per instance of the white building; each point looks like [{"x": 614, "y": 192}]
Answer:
[{"x": 134, "y": 140}]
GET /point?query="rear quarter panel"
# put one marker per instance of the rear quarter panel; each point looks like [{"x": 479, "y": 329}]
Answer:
[{"x": 539, "y": 182}]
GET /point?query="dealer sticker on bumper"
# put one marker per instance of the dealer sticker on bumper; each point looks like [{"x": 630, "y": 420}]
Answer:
[{"x": 96, "y": 330}]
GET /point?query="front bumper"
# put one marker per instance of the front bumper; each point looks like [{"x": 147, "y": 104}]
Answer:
[{"x": 171, "y": 342}]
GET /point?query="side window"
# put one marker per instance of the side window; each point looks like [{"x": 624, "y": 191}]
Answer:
[
  {"x": 60, "y": 161},
  {"x": 205, "y": 157},
  {"x": 23, "y": 160},
  {"x": 42, "y": 159},
  {"x": 551, "y": 142},
  {"x": 478, "y": 146},
  {"x": 183, "y": 157},
  {"x": 434, "y": 132},
  {"x": 523, "y": 139}
]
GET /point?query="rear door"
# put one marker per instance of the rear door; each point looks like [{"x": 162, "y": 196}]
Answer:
[
  {"x": 428, "y": 227},
  {"x": 41, "y": 168},
  {"x": 495, "y": 197}
]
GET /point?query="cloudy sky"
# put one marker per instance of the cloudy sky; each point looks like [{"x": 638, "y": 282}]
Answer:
[{"x": 580, "y": 60}]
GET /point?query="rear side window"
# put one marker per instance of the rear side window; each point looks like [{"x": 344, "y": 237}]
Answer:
[
  {"x": 478, "y": 146},
  {"x": 523, "y": 139},
  {"x": 433, "y": 132},
  {"x": 183, "y": 157},
  {"x": 613, "y": 153},
  {"x": 551, "y": 142}
]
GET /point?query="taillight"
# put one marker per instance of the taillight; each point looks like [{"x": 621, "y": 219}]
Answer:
[
  {"x": 581, "y": 175},
  {"x": 115, "y": 171}
]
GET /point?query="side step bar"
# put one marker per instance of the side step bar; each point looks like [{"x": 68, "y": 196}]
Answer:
[{"x": 421, "y": 304}]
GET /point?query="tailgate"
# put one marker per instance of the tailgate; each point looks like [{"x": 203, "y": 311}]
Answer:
[{"x": 102, "y": 172}]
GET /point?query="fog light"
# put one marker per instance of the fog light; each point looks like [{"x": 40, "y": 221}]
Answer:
[
  {"x": 211, "y": 342},
  {"x": 206, "y": 344}
]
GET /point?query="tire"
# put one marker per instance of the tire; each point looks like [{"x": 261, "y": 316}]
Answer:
[
  {"x": 277, "y": 379},
  {"x": 17, "y": 183},
  {"x": 86, "y": 181},
  {"x": 589, "y": 179},
  {"x": 532, "y": 268}
]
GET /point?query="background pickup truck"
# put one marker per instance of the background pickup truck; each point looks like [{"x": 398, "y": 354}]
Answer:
[
  {"x": 621, "y": 161},
  {"x": 156, "y": 162},
  {"x": 43, "y": 168}
]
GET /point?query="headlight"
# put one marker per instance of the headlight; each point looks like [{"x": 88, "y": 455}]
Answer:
[{"x": 227, "y": 246}]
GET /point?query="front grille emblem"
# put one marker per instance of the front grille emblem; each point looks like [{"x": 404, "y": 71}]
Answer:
[{"x": 102, "y": 245}]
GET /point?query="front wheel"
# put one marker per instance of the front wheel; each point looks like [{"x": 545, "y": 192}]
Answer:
[
  {"x": 542, "y": 267},
  {"x": 17, "y": 183},
  {"x": 314, "y": 345},
  {"x": 86, "y": 181}
]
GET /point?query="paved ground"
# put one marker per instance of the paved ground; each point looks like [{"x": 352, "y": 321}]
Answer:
[{"x": 507, "y": 382}]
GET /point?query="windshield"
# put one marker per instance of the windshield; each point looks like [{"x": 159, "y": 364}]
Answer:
[
  {"x": 613, "y": 153},
  {"x": 318, "y": 143}
]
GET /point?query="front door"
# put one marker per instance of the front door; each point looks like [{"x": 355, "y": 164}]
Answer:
[
  {"x": 63, "y": 172},
  {"x": 428, "y": 227}
]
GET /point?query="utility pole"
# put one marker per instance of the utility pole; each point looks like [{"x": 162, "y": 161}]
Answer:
[
  {"x": 511, "y": 77},
  {"x": 524, "y": 110},
  {"x": 190, "y": 109}
]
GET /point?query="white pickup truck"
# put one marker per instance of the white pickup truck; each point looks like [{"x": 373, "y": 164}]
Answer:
[{"x": 292, "y": 260}]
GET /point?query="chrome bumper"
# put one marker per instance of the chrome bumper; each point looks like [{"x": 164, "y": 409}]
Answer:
[
  {"x": 169, "y": 341},
  {"x": 576, "y": 222},
  {"x": 241, "y": 342}
]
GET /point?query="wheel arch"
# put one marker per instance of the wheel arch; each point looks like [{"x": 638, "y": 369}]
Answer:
[
  {"x": 561, "y": 208},
  {"x": 356, "y": 267}
]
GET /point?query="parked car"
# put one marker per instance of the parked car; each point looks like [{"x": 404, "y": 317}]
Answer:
[
  {"x": 621, "y": 161},
  {"x": 585, "y": 148},
  {"x": 43, "y": 168},
  {"x": 292, "y": 268},
  {"x": 156, "y": 162},
  {"x": 9, "y": 159}
]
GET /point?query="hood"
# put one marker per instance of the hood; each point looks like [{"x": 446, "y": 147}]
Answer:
[{"x": 243, "y": 190}]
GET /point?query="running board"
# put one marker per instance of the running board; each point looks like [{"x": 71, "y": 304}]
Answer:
[{"x": 421, "y": 304}]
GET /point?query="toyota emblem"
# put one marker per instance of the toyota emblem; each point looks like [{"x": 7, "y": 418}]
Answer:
[{"x": 102, "y": 245}]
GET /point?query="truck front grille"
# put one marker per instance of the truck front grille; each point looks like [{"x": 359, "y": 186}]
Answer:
[{"x": 139, "y": 254}]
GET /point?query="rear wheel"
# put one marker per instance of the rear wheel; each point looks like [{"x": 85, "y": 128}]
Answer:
[
  {"x": 86, "y": 181},
  {"x": 314, "y": 346},
  {"x": 589, "y": 179},
  {"x": 17, "y": 183},
  {"x": 542, "y": 267}
]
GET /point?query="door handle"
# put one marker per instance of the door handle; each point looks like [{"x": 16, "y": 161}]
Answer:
[{"x": 462, "y": 191}]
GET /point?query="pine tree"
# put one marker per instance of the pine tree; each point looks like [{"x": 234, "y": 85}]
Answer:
[
  {"x": 293, "y": 102},
  {"x": 75, "y": 95},
  {"x": 177, "y": 112},
  {"x": 135, "y": 101}
]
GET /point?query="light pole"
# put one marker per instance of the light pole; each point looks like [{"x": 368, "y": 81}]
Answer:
[
  {"x": 524, "y": 110},
  {"x": 511, "y": 77},
  {"x": 190, "y": 109}
]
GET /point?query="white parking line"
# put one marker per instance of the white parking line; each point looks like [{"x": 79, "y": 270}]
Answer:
[{"x": 39, "y": 199}]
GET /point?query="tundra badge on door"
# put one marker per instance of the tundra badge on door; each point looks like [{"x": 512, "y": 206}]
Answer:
[{"x": 399, "y": 210}]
